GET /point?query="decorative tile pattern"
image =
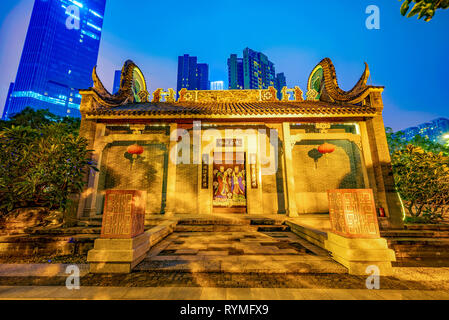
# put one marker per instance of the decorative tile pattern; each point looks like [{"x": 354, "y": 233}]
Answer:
[
  {"x": 124, "y": 214},
  {"x": 353, "y": 213}
]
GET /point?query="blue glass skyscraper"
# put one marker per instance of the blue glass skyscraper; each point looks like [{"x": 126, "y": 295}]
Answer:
[
  {"x": 191, "y": 74},
  {"x": 117, "y": 79},
  {"x": 60, "y": 51}
]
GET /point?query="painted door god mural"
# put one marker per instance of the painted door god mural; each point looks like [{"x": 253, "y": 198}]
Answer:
[{"x": 229, "y": 181}]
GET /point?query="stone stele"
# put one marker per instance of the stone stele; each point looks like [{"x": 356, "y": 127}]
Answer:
[{"x": 355, "y": 241}]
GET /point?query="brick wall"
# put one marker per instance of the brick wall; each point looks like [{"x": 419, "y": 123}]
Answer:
[
  {"x": 316, "y": 173},
  {"x": 146, "y": 173}
]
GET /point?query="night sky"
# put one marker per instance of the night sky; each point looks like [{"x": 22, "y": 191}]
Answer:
[{"x": 407, "y": 56}]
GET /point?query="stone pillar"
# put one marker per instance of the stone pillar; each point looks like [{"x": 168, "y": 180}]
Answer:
[
  {"x": 368, "y": 160},
  {"x": 382, "y": 164},
  {"x": 171, "y": 170},
  {"x": 287, "y": 144},
  {"x": 88, "y": 131}
]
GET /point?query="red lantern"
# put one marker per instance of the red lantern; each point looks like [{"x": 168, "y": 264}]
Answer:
[
  {"x": 135, "y": 150},
  {"x": 326, "y": 148}
]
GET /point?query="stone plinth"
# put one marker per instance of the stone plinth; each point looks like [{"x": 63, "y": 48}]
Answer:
[
  {"x": 357, "y": 254},
  {"x": 354, "y": 240},
  {"x": 118, "y": 255},
  {"x": 123, "y": 243}
]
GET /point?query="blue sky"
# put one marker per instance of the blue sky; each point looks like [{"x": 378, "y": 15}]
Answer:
[{"x": 407, "y": 56}]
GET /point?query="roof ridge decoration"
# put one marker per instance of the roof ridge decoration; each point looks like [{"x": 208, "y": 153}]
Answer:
[
  {"x": 228, "y": 96},
  {"x": 323, "y": 85},
  {"x": 133, "y": 87}
]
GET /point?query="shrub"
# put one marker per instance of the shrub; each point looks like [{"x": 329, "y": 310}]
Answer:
[
  {"x": 422, "y": 179},
  {"x": 42, "y": 166}
]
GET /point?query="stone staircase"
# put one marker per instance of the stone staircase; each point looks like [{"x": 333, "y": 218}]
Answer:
[
  {"x": 230, "y": 225},
  {"x": 419, "y": 245}
]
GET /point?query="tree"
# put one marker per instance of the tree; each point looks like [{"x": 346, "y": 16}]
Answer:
[
  {"x": 40, "y": 167},
  {"x": 397, "y": 141},
  {"x": 422, "y": 179},
  {"x": 37, "y": 119},
  {"x": 423, "y": 8}
]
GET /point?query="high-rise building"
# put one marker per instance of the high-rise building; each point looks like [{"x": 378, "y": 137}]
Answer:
[
  {"x": 217, "y": 85},
  {"x": 60, "y": 51},
  {"x": 191, "y": 74},
  {"x": 253, "y": 71},
  {"x": 235, "y": 72},
  {"x": 8, "y": 100},
  {"x": 258, "y": 71},
  {"x": 203, "y": 76},
  {"x": 435, "y": 130},
  {"x": 117, "y": 79},
  {"x": 280, "y": 83}
]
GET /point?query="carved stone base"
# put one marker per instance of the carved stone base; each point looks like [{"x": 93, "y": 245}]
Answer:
[
  {"x": 357, "y": 254},
  {"x": 118, "y": 255}
]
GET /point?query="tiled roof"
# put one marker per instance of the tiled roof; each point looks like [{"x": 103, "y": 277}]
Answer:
[{"x": 225, "y": 110}]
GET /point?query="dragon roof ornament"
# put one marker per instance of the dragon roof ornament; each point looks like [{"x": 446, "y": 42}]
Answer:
[
  {"x": 323, "y": 85},
  {"x": 133, "y": 88}
]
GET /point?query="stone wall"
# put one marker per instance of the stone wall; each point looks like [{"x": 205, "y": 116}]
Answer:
[
  {"x": 186, "y": 188},
  {"x": 273, "y": 184},
  {"x": 316, "y": 173},
  {"x": 148, "y": 172}
]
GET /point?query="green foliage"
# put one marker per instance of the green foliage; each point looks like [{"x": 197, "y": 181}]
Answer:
[
  {"x": 36, "y": 119},
  {"x": 396, "y": 141},
  {"x": 422, "y": 179},
  {"x": 41, "y": 161},
  {"x": 423, "y": 8}
]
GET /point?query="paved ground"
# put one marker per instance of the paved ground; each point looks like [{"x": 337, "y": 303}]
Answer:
[
  {"x": 180, "y": 293},
  {"x": 234, "y": 265},
  {"x": 238, "y": 252}
]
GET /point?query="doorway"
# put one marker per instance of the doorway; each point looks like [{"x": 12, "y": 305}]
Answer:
[{"x": 229, "y": 183}]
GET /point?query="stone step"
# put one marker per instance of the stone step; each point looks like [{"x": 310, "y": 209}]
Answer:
[
  {"x": 414, "y": 234},
  {"x": 432, "y": 227},
  {"x": 215, "y": 228},
  {"x": 266, "y": 222},
  {"x": 94, "y": 222},
  {"x": 27, "y": 245},
  {"x": 406, "y": 234},
  {"x": 206, "y": 222},
  {"x": 421, "y": 262},
  {"x": 260, "y": 264},
  {"x": 274, "y": 228},
  {"x": 317, "y": 237},
  {"x": 422, "y": 242},
  {"x": 422, "y": 254},
  {"x": 64, "y": 231}
]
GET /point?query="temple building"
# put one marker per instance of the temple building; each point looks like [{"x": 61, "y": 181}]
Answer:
[{"x": 237, "y": 151}]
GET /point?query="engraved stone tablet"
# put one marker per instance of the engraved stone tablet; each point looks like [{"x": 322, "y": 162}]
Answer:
[
  {"x": 124, "y": 214},
  {"x": 353, "y": 213}
]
